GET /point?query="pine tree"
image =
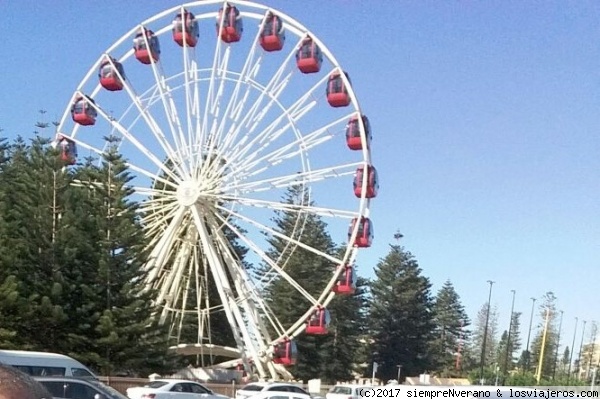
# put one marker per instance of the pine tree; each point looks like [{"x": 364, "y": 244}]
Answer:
[
  {"x": 548, "y": 304},
  {"x": 505, "y": 360},
  {"x": 491, "y": 343},
  {"x": 309, "y": 270},
  {"x": 451, "y": 329},
  {"x": 340, "y": 350},
  {"x": 400, "y": 320}
]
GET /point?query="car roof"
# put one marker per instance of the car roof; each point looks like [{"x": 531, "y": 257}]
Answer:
[{"x": 65, "y": 378}]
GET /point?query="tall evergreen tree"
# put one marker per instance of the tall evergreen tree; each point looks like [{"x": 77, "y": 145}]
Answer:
[
  {"x": 505, "y": 360},
  {"x": 547, "y": 307},
  {"x": 310, "y": 270},
  {"x": 491, "y": 342},
  {"x": 400, "y": 320},
  {"x": 450, "y": 331}
]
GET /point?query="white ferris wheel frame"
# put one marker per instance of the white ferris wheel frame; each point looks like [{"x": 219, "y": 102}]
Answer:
[{"x": 247, "y": 312}]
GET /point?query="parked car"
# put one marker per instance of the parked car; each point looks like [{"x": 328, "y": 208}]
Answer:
[
  {"x": 346, "y": 391},
  {"x": 78, "y": 388},
  {"x": 45, "y": 364},
  {"x": 256, "y": 388},
  {"x": 173, "y": 389},
  {"x": 282, "y": 395}
]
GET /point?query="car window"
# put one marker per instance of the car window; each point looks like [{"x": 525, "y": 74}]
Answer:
[
  {"x": 75, "y": 390},
  {"x": 156, "y": 384},
  {"x": 252, "y": 387},
  {"x": 181, "y": 388},
  {"x": 42, "y": 371},
  {"x": 278, "y": 397},
  {"x": 107, "y": 390},
  {"x": 77, "y": 372},
  {"x": 342, "y": 390},
  {"x": 197, "y": 388},
  {"x": 56, "y": 388}
]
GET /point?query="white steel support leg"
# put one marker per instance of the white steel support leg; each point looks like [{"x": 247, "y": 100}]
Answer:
[{"x": 231, "y": 308}]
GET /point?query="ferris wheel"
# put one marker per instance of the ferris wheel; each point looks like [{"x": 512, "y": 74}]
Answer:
[{"x": 220, "y": 108}]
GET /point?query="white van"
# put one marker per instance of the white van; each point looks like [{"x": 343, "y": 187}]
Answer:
[{"x": 45, "y": 364}]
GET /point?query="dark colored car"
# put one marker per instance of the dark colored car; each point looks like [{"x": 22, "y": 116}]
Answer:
[{"x": 78, "y": 388}]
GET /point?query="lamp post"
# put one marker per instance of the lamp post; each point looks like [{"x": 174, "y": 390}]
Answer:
[
  {"x": 399, "y": 372},
  {"x": 557, "y": 345},
  {"x": 508, "y": 347},
  {"x": 526, "y": 368},
  {"x": 571, "y": 354},
  {"x": 485, "y": 331},
  {"x": 580, "y": 349}
]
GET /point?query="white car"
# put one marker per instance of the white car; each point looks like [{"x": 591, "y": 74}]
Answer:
[
  {"x": 255, "y": 388},
  {"x": 173, "y": 389},
  {"x": 346, "y": 391},
  {"x": 281, "y": 395}
]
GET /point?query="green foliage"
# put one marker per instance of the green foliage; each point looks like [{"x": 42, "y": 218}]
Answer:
[
  {"x": 450, "y": 330},
  {"x": 400, "y": 319}
]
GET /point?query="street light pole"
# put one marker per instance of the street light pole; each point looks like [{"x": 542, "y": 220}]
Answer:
[
  {"x": 399, "y": 372},
  {"x": 580, "y": 349},
  {"x": 508, "y": 347},
  {"x": 571, "y": 354},
  {"x": 557, "y": 345},
  {"x": 485, "y": 331},
  {"x": 526, "y": 368}
]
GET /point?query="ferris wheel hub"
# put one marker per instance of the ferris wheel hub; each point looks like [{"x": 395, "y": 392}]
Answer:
[{"x": 188, "y": 193}]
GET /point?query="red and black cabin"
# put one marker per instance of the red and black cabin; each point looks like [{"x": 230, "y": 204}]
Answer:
[
  {"x": 346, "y": 284},
  {"x": 272, "y": 35},
  {"x": 285, "y": 353},
  {"x": 67, "y": 148},
  {"x": 372, "y": 182},
  {"x": 185, "y": 29},
  {"x": 83, "y": 111},
  {"x": 111, "y": 74},
  {"x": 230, "y": 23},
  {"x": 146, "y": 46},
  {"x": 364, "y": 236},
  {"x": 309, "y": 56},
  {"x": 353, "y": 130},
  {"x": 337, "y": 92},
  {"x": 319, "y": 321}
]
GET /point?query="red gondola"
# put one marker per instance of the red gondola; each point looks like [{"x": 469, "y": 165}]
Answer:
[
  {"x": 318, "y": 322},
  {"x": 337, "y": 92},
  {"x": 285, "y": 353},
  {"x": 146, "y": 46},
  {"x": 353, "y": 136},
  {"x": 364, "y": 236},
  {"x": 186, "y": 29},
  {"x": 345, "y": 284},
  {"x": 67, "y": 148},
  {"x": 309, "y": 56},
  {"x": 83, "y": 112},
  {"x": 272, "y": 35},
  {"x": 372, "y": 182},
  {"x": 110, "y": 74},
  {"x": 232, "y": 28}
]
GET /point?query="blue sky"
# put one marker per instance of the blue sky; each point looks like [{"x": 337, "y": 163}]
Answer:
[{"x": 484, "y": 119}]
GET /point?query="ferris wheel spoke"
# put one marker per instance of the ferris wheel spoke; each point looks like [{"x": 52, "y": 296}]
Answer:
[
  {"x": 232, "y": 311},
  {"x": 169, "y": 108},
  {"x": 290, "y": 150},
  {"x": 145, "y": 151},
  {"x": 265, "y": 258},
  {"x": 263, "y": 139},
  {"x": 292, "y": 208},
  {"x": 310, "y": 176},
  {"x": 267, "y": 229},
  {"x": 151, "y": 123}
]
